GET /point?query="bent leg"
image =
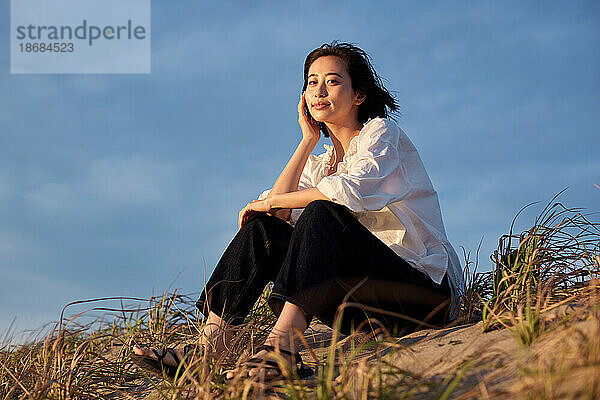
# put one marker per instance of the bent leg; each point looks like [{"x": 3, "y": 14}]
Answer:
[
  {"x": 252, "y": 259},
  {"x": 333, "y": 258},
  {"x": 315, "y": 254}
]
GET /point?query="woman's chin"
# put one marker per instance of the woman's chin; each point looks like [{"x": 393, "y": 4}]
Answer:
[
  {"x": 321, "y": 117},
  {"x": 328, "y": 117}
]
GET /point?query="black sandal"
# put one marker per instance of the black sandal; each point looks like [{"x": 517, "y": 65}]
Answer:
[
  {"x": 303, "y": 371},
  {"x": 157, "y": 367}
]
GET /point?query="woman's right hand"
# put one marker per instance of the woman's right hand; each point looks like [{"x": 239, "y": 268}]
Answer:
[{"x": 310, "y": 127}]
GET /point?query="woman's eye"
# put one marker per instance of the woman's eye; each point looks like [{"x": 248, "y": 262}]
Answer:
[
  {"x": 333, "y": 81},
  {"x": 311, "y": 82}
]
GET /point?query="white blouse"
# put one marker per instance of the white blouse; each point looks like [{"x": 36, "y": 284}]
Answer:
[{"x": 382, "y": 180}]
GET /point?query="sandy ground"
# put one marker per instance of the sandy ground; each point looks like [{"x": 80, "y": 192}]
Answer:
[{"x": 492, "y": 365}]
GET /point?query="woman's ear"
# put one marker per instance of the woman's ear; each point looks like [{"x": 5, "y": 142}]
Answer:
[{"x": 359, "y": 98}]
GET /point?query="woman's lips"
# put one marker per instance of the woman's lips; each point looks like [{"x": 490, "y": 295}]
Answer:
[{"x": 320, "y": 106}]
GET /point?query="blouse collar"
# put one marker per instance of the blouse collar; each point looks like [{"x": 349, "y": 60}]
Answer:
[{"x": 352, "y": 148}]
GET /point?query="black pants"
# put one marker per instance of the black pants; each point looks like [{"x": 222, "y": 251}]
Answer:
[{"x": 327, "y": 257}]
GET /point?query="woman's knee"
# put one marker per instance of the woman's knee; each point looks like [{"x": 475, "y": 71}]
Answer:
[
  {"x": 323, "y": 210},
  {"x": 267, "y": 227},
  {"x": 254, "y": 225},
  {"x": 258, "y": 219},
  {"x": 257, "y": 216},
  {"x": 320, "y": 207}
]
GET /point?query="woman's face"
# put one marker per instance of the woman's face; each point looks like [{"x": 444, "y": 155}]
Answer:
[{"x": 329, "y": 94}]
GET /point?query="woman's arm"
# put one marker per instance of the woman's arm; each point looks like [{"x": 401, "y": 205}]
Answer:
[
  {"x": 290, "y": 176},
  {"x": 376, "y": 177},
  {"x": 297, "y": 199}
]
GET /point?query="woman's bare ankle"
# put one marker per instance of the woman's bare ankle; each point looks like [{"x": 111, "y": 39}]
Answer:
[
  {"x": 285, "y": 340},
  {"x": 216, "y": 335},
  {"x": 290, "y": 325}
]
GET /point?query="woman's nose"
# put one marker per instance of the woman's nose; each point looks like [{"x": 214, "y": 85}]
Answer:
[{"x": 321, "y": 91}]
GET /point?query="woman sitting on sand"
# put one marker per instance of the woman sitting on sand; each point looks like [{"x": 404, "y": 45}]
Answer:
[{"x": 359, "y": 223}]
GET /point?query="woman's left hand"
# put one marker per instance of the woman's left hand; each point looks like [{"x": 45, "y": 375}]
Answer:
[{"x": 252, "y": 208}]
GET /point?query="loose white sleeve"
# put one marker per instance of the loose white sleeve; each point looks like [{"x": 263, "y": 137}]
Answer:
[
  {"x": 264, "y": 194},
  {"x": 375, "y": 175}
]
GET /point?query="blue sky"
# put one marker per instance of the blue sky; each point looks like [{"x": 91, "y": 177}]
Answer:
[{"x": 127, "y": 185}]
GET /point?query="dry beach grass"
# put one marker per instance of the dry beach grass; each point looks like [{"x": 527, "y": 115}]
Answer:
[{"x": 530, "y": 328}]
